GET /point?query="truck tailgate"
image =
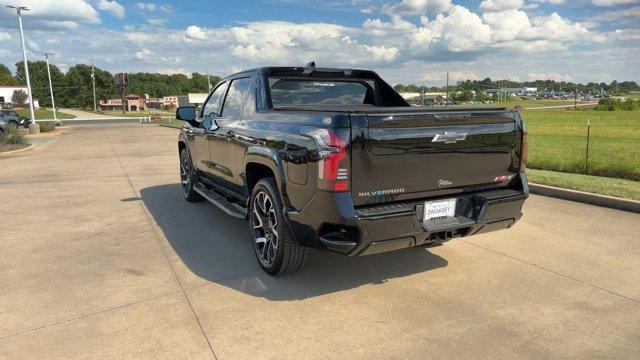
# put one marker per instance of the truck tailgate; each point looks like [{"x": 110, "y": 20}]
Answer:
[{"x": 419, "y": 154}]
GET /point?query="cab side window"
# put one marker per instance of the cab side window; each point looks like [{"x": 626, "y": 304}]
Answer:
[{"x": 235, "y": 98}]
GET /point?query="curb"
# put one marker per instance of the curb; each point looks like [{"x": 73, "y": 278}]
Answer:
[
  {"x": 17, "y": 152},
  {"x": 586, "y": 198}
]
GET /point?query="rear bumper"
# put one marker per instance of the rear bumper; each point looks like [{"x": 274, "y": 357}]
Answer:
[{"x": 330, "y": 221}]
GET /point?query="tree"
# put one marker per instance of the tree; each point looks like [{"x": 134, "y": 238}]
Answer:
[
  {"x": 6, "y": 78},
  {"x": 40, "y": 81},
  {"x": 79, "y": 90},
  {"x": 19, "y": 98}
]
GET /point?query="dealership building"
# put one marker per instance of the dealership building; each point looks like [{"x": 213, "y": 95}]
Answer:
[{"x": 6, "y": 92}]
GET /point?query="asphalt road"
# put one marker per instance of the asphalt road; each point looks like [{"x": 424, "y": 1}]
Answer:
[{"x": 101, "y": 258}]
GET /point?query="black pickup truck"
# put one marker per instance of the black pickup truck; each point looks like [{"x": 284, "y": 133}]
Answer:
[{"x": 335, "y": 159}]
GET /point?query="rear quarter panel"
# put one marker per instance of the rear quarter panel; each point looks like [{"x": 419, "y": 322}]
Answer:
[{"x": 292, "y": 153}]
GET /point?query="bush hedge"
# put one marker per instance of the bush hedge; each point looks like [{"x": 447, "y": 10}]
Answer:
[
  {"x": 616, "y": 104},
  {"x": 13, "y": 137}
]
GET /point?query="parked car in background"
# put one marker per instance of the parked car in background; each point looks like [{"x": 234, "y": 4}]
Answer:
[
  {"x": 335, "y": 159},
  {"x": 3, "y": 127},
  {"x": 13, "y": 119}
]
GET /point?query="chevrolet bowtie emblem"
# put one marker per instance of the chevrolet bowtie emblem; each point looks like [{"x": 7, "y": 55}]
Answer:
[{"x": 449, "y": 137}]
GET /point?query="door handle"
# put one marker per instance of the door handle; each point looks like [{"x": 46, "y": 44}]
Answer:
[{"x": 232, "y": 135}]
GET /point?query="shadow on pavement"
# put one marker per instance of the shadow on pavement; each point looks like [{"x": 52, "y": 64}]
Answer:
[{"x": 217, "y": 248}]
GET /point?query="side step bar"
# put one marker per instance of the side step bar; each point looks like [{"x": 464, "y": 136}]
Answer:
[{"x": 218, "y": 200}]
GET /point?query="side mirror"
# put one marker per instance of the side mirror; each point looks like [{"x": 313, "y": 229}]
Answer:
[{"x": 186, "y": 113}]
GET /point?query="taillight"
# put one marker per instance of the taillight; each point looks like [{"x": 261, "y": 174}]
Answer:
[
  {"x": 331, "y": 156},
  {"x": 523, "y": 148}
]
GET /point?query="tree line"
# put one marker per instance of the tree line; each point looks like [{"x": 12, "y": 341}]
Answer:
[
  {"x": 614, "y": 87},
  {"x": 74, "y": 88}
]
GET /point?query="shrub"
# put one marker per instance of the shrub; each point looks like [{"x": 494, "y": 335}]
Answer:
[
  {"x": 46, "y": 126},
  {"x": 616, "y": 104},
  {"x": 12, "y": 137}
]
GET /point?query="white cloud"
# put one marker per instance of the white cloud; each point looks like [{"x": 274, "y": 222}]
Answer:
[
  {"x": 4, "y": 36},
  {"x": 536, "y": 3},
  {"x": 549, "y": 76},
  {"x": 156, "y": 22},
  {"x": 138, "y": 37},
  {"x": 381, "y": 53},
  {"x": 507, "y": 25},
  {"x": 556, "y": 28},
  {"x": 618, "y": 15},
  {"x": 173, "y": 71},
  {"x": 500, "y": 5},
  {"x": 454, "y": 76},
  {"x": 417, "y": 7},
  {"x": 614, "y": 2},
  {"x": 460, "y": 30},
  {"x": 112, "y": 7},
  {"x": 494, "y": 44},
  {"x": 144, "y": 54},
  {"x": 194, "y": 32},
  {"x": 51, "y": 14},
  {"x": 146, "y": 6},
  {"x": 32, "y": 46}
]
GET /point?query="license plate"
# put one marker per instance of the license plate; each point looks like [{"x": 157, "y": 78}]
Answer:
[{"x": 439, "y": 209}]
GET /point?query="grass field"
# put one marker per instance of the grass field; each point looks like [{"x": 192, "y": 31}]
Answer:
[
  {"x": 44, "y": 114},
  {"x": 173, "y": 123},
  {"x": 558, "y": 142},
  {"x": 628, "y": 189}
]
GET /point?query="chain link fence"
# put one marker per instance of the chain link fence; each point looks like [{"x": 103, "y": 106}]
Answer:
[{"x": 593, "y": 149}]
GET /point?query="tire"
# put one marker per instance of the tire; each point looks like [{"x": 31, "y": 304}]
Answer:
[
  {"x": 188, "y": 177},
  {"x": 276, "y": 250},
  {"x": 12, "y": 125}
]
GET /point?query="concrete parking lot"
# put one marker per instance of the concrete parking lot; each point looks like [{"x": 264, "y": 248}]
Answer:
[{"x": 100, "y": 257}]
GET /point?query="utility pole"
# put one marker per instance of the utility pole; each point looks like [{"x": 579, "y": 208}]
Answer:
[
  {"x": 34, "y": 128},
  {"x": 93, "y": 81},
  {"x": 575, "y": 98},
  {"x": 208, "y": 82},
  {"x": 53, "y": 103},
  {"x": 446, "y": 98}
]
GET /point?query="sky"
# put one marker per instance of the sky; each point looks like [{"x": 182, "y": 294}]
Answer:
[{"x": 406, "y": 41}]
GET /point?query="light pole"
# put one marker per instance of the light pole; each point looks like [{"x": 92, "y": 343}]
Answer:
[
  {"x": 53, "y": 103},
  {"x": 33, "y": 127},
  {"x": 93, "y": 82}
]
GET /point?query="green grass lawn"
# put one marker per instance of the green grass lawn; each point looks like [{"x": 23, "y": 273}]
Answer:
[
  {"x": 173, "y": 123},
  {"x": 44, "y": 114},
  {"x": 628, "y": 189},
  {"x": 558, "y": 142}
]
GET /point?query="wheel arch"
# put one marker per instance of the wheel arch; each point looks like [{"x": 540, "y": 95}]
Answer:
[{"x": 260, "y": 162}]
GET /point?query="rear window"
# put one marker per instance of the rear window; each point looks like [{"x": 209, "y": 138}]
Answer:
[{"x": 319, "y": 92}]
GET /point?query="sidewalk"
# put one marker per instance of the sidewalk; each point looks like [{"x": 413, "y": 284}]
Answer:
[{"x": 80, "y": 114}]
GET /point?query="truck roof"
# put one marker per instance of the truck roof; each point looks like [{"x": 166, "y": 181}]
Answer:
[{"x": 309, "y": 71}]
